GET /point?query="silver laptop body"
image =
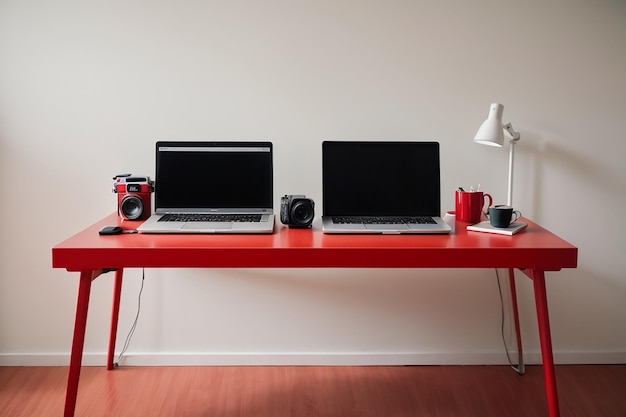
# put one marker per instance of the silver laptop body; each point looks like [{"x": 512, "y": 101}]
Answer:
[
  {"x": 381, "y": 187},
  {"x": 212, "y": 187}
]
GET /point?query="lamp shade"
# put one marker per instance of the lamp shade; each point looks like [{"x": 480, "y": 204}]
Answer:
[{"x": 491, "y": 131}]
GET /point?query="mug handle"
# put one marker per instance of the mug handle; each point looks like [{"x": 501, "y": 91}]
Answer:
[
  {"x": 516, "y": 215},
  {"x": 486, "y": 211}
]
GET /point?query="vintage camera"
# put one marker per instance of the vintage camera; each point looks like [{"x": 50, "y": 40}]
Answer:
[
  {"x": 133, "y": 196},
  {"x": 297, "y": 211}
]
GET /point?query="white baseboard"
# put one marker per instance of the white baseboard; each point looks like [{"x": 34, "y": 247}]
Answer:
[{"x": 310, "y": 359}]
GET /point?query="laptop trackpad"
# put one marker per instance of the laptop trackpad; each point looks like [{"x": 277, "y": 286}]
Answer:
[
  {"x": 207, "y": 225},
  {"x": 386, "y": 226}
]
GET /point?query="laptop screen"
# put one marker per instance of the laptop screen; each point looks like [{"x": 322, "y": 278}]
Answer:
[
  {"x": 381, "y": 179},
  {"x": 195, "y": 176}
]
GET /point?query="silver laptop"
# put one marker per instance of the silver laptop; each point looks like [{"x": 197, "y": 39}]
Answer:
[
  {"x": 212, "y": 187},
  {"x": 381, "y": 187}
]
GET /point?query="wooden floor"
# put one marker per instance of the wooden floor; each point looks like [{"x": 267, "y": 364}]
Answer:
[{"x": 381, "y": 391}]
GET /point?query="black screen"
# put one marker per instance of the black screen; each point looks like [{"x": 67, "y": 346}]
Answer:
[
  {"x": 381, "y": 179},
  {"x": 214, "y": 175}
]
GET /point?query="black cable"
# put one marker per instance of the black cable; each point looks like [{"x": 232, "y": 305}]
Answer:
[
  {"x": 134, "y": 326},
  {"x": 506, "y": 349}
]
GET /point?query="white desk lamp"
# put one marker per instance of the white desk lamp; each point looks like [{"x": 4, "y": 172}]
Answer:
[{"x": 492, "y": 132}]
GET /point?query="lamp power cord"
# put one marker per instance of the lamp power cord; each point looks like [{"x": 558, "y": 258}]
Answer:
[
  {"x": 516, "y": 368},
  {"x": 134, "y": 326}
]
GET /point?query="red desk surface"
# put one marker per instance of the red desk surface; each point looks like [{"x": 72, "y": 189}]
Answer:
[{"x": 297, "y": 248}]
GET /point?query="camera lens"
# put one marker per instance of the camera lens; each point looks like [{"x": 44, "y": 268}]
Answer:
[
  {"x": 131, "y": 207},
  {"x": 302, "y": 212}
]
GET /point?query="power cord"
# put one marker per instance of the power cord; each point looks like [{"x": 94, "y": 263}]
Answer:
[
  {"x": 516, "y": 368},
  {"x": 134, "y": 326}
]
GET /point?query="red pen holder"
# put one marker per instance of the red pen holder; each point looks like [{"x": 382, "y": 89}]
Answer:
[{"x": 469, "y": 205}]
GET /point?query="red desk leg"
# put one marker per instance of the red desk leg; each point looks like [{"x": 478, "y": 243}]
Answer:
[
  {"x": 78, "y": 342},
  {"x": 115, "y": 313},
  {"x": 545, "y": 339}
]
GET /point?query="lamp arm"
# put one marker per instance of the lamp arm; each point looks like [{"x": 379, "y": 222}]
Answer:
[
  {"x": 513, "y": 139},
  {"x": 509, "y": 198}
]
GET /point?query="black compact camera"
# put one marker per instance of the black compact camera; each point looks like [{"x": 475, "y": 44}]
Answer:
[
  {"x": 297, "y": 211},
  {"x": 133, "y": 196}
]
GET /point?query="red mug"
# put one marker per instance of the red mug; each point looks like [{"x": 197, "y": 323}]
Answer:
[{"x": 469, "y": 205}]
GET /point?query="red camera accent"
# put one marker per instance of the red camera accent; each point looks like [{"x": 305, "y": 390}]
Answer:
[{"x": 134, "y": 199}]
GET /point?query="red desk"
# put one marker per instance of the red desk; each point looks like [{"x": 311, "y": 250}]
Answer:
[{"x": 533, "y": 251}]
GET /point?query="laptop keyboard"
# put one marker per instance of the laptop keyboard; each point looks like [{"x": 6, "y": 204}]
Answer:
[
  {"x": 382, "y": 220},
  {"x": 211, "y": 218}
]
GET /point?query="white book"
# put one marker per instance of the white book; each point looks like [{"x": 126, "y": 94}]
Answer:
[{"x": 488, "y": 228}]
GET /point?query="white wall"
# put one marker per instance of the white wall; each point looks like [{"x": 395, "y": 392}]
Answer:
[{"x": 86, "y": 88}]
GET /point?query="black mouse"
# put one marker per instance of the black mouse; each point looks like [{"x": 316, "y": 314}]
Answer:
[{"x": 111, "y": 230}]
